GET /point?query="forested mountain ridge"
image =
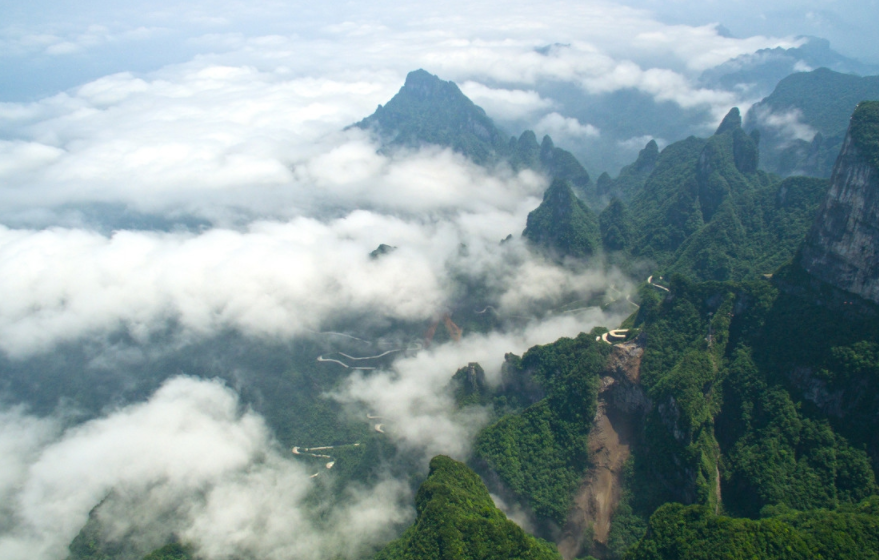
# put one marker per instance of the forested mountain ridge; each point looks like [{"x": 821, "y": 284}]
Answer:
[
  {"x": 766, "y": 403},
  {"x": 428, "y": 110},
  {"x": 633, "y": 176},
  {"x": 760, "y": 72},
  {"x": 563, "y": 223},
  {"x": 525, "y": 152},
  {"x": 750, "y": 399},
  {"x": 458, "y": 520},
  {"x": 702, "y": 208},
  {"x": 694, "y": 533},
  {"x": 803, "y": 122}
]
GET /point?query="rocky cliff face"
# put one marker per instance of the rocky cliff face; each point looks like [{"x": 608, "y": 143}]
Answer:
[
  {"x": 622, "y": 404},
  {"x": 842, "y": 248}
]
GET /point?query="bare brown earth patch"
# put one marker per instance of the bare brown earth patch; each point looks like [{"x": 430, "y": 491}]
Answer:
[{"x": 621, "y": 405}]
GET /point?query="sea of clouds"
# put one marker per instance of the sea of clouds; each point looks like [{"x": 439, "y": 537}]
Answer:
[{"x": 219, "y": 190}]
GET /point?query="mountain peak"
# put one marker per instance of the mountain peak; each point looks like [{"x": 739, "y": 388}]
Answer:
[
  {"x": 562, "y": 223},
  {"x": 424, "y": 85},
  {"x": 421, "y": 76},
  {"x": 731, "y": 121},
  {"x": 428, "y": 110},
  {"x": 647, "y": 157},
  {"x": 456, "y": 513}
]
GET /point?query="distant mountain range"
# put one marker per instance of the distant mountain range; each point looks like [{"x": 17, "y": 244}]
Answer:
[
  {"x": 803, "y": 122},
  {"x": 757, "y": 74},
  {"x": 627, "y": 118}
]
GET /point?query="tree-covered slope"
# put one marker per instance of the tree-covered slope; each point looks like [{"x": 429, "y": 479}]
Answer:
[
  {"x": 428, "y": 110},
  {"x": 172, "y": 551},
  {"x": 633, "y": 176},
  {"x": 526, "y": 153},
  {"x": 754, "y": 234},
  {"x": 540, "y": 452},
  {"x": 865, "y": 131},
  {"x": 762, "y": 397},
  {"x": 745, "y": 367},
  {"x": 707, "y": 212},
  {"x": 805, "y": 104},
  {"x": 563, "y": 223},
  {"x": 457, "y": 520},
  {"x": 694, "y": 533}
]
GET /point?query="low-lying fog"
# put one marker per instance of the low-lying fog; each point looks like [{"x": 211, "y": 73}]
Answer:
[{"x": 176, "y": 234}]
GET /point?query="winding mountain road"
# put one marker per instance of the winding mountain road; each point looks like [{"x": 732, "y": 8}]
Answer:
[
  {"x": 307, "y": 451},
  {"x": 333, "y": 333},
  {"x": 343, "y": 364},
  {"x": 650, "y": 281},
  {"x": 616, "y": 333},
  {"x": 370, "y": 357}
]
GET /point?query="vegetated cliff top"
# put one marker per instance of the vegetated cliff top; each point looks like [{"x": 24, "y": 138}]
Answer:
[
  {"x": 695, "y": 533},
  {"x": 865, "y": 131},
  {"x": 563, "y": 223},
  {"x": 458, "y": 519}
]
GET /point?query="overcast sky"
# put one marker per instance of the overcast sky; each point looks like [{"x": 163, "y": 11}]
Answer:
[{"x": 46, "y": 45}]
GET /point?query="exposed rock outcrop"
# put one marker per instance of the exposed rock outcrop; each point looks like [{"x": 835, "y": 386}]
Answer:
[
  {"x": 622, "y": 404},
  {"x": 842, "y": 248}
]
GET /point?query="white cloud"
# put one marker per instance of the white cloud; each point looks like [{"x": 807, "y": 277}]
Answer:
[
  {"x": 505, "y": 104},
  {"x": 801, "y": 66},
  {"x": 216, "y": 141},
  {"x": 187, "y": 461},
  {"x": 413, "y": 398},
  {"x": 559, "y": 126},
  {"x": 787, "y": 124},
  {"x": 275, "y": 279}
]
